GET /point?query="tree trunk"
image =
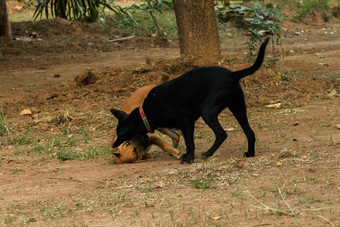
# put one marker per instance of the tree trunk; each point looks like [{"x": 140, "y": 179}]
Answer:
[
  {"x": 5, "y": 26},
  {"x": 197, "y": 29}
]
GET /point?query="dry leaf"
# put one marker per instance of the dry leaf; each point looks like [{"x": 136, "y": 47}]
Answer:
[
  {"x": 215, "y": 218},
  {"x": 276, "y": 105},
  {"x": 26, "y": 112},
  {"x": 230, "y": 129},
  {"x": 332, "y": 93}
]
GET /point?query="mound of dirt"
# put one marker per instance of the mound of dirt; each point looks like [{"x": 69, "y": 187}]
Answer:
[{"x": 86, "y": 78}]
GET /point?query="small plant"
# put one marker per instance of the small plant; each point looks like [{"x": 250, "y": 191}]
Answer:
[
  {"x": 311, "y": 7},
  {"x": 13, "y": 211},
  {"x": 4, "y": 127},
  {"x": 257, "y": 22},
  {"x": 81, "y": 10},
  {"x": 20, "y": 140},
  {"x": 308, "y": 200},
  {"x": 285, "y": 76},
  {"x": 238, "y": 194},
  {"x": 123, "y": 15},
  {"x": 143, "y": 18},
  {"x": 152, "y": 6},
  {"x": 203, "y": 183},
  {"x": 53, "y": 210},
  {"x": 82, "y": 154}
]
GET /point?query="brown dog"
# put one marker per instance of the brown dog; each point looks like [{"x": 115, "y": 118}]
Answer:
[{"x": 135, "y": 150}]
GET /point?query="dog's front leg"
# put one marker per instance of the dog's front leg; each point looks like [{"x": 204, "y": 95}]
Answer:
[{"x": 188, "y": 135}]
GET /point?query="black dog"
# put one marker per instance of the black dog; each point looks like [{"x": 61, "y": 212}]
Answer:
[{"x": 202, "y": 92}]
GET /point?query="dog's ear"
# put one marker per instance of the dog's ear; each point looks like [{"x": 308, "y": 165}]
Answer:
[{"x": 120, "y": 115}]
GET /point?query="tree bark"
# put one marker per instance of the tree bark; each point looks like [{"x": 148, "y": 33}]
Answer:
[
  {"x": 197, "y": 29},
  {"x": 5, "y": 26}
]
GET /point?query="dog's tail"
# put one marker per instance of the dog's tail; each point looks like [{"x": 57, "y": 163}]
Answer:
[{"x": 259, "y": 60}]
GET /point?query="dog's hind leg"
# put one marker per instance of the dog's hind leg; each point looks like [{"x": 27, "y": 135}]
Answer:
[
  {"x": 154, "y": 139},
  {"x": 188, "y": 127},
  {"x": 220, "y": 134},
  {"x": 238, "y": 108},
  {"x": 173, "y": 134}
]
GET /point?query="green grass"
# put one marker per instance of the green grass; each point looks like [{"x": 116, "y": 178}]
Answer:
[
  {"x": 83, "y": 154},
  {"x": 21, "y": 17},
  {"x": 285, "y": 75},
  {"x": 4, "y": 125},
  {"x": 67, "y": 145},
  {"x": 203, "y": 183},
  {"x": 145, "y": 25},
  {"x": 20, "y": 140},
  {"x": 53, "y": 210},
  {"x": 12, "y": 213},
  {"x": 308, "y": 201}
]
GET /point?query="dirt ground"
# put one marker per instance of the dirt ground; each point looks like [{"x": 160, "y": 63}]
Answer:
[{"x": 55, "y": 164}]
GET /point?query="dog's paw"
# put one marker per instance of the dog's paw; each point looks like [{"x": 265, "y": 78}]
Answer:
[
  {"x": 249, "y": 154},
  {"x": 148, "y": 156},
  {"x": 187, "y": 159},
  {"x": 206, "y": 155},
  {"x": 179, "y": 156}
]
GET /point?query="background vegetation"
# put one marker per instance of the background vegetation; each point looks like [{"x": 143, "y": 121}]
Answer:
[{"x": 156, "y": 17}]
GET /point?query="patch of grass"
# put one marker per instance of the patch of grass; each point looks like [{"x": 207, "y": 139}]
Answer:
[
  {"x": 313, "y": 155},
  {"x": 292, "y": 111},
  {"x": 27, "y": 221},
  {"x": 230, "y": 180},
  {"x": 83, "y": 154},
  {"x": 12, "y": 213},
  {"x": 135, "y": 213},
  {"x": 13, "y": 171},
  {"x": 284, "y": 76},
  {"x": 52, "y": 146},
  {"x": 203, "y": 183},
  {"x": 120, "y": 198},
  {"x": 4, "y": 126},
  {"x": 86, "y": 136},
  {"x": 334, "y": 77},
  {"x": 202, "y": 134},
  {"x": 53, "y": 210},
  {"x": 295, "y": 190},
  {"x": 144, "y": 25},
  {"x": 65, "y": 146},
  {"x": 312, "y": 7},
  {"x": 144, "y": 188},
  {"x": 238, "y": 194},
  {"x": 41, "y": 149},
  {"x": 311, "y": 179},
  {"x": 308, "y": 200},
  {"x": 19, "y": 140}
]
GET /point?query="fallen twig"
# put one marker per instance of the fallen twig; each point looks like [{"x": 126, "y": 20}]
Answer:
[
  {"x": 326, "y": 220},
  {"x": 291, "y": 210},
  {"x": 122, "y": 39},
  {"x": 267, "y": 207}
]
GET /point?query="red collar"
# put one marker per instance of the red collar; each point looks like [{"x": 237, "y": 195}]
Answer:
[{"x": 145, "y": 120}]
